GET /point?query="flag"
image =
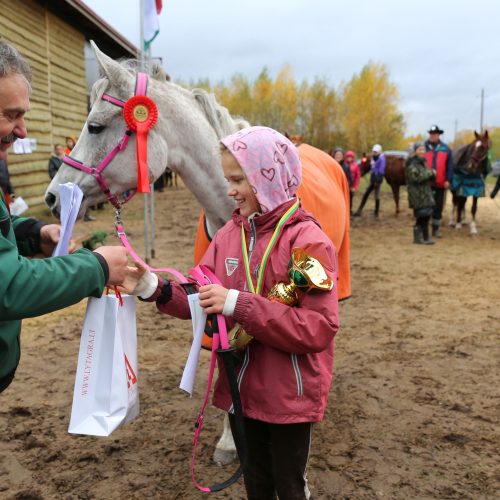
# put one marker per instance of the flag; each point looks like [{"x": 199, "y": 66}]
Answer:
[{"x": 152, "y": 9}]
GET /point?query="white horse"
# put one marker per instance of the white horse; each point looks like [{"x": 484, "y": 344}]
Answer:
[{"x": 185, "y": 137}]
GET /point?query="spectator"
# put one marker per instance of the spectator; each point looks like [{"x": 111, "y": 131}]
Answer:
[
  {"x": 418, "y": 178},
  {"x": 377, "y": 171},
  {"x": 338, "y": 156},
  {"x": 55, "y": 160},
  {"x": 439, "y": 158},
  {"x": 355, "y": 171},
  {"x": 70, "y": 144}
]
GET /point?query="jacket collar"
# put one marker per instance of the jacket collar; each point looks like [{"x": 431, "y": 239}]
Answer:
[{"x": 267, "y": 222}]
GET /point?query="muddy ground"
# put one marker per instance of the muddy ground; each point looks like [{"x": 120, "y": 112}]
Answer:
[{"x": 413, "y": 410}]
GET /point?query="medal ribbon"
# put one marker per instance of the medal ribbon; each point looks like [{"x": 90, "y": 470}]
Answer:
[{"x": 265, "y": 258}]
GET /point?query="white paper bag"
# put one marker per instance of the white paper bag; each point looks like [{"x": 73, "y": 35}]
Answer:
[{"x": 106, "y": 393}]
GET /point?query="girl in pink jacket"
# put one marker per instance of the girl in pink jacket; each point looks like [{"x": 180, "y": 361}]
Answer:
[
  {"x": 350, "y": 159},
  {"x": 286, "y": 371}
]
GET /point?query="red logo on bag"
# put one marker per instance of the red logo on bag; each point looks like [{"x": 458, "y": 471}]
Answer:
[{"x": 131, "y": 376}]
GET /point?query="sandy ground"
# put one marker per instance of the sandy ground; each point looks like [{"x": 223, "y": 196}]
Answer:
[{"x": 413, "y": 410}]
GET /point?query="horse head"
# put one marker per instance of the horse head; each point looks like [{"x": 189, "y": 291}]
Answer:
[
  {"x": 364, "y": 164},
  {"x": 105, "y": 128},
  {"x": 475, "y": 155}
]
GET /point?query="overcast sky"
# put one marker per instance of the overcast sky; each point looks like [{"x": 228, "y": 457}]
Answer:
[{"x": 440, "y": 53}]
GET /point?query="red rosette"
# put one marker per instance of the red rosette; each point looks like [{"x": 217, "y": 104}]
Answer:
[{"x": 140, "y": 114}]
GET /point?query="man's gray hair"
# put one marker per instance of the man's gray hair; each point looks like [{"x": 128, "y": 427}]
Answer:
[{"x": 12, "y": 62}]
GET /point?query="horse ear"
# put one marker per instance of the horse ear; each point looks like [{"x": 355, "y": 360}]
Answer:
[
  {"x": 109, "y": 67},
  {"x": 486, "y": 136},
  {"x": 476, "y": 134}
]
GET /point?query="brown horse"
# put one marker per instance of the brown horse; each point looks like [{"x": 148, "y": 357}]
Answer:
[
  {"x": 394, "y": 171},
  {"x": 471, "y": 168}
]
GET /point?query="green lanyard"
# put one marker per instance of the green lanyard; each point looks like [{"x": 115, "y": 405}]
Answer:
[{"x": 265, "y": 258}]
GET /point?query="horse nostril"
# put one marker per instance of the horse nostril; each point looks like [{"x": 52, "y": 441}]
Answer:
[
  {"x": 95, "y": 128},
  {"x": 50, "y": 200}
]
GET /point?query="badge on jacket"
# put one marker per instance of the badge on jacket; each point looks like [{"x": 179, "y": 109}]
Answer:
[{"x": 231, "y": 265}]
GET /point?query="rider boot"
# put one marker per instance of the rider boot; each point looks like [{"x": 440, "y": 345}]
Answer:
[
  {"x": 495, "y": 189},
  {"x": 425, "y": 234},
  {"x": 436, "y": 232},
  {"x": 417, "y": 235},
  {"x": 362, "y": 204},
  {"x": 377, "y": 209}
]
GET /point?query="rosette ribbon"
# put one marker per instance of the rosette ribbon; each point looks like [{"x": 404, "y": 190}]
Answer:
[{"x": 140, "y": 114}]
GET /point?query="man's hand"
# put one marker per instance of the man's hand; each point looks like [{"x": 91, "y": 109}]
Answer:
[
  {"x": 446, "y": 185},
  {"x": 213, "y": 298},
  {"x": 49, "y": 238},
  {"x": 116, "y": 257}
]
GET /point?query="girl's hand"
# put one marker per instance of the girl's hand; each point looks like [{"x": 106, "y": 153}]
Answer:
[
  {"x": 133, "y": 277},
  {"x": 213, "y": 298}
]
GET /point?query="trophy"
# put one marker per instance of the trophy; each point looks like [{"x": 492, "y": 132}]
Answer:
[{"x": 305, "y": 273}]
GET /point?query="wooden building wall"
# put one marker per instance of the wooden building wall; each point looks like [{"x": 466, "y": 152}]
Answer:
[{"x": 55, "y": 51}]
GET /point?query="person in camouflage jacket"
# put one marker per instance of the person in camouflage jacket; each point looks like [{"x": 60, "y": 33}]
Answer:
[{"x": 420, "y": 198}]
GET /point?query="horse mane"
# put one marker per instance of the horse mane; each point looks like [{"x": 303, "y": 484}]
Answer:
[
  {"x": 151, "y": 68},
  {"x": 218, "y": 116},
  {"x": 461, "y": 155}
]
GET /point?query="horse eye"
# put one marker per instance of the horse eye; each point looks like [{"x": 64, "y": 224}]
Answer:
[{"x": 95, "y": 128}]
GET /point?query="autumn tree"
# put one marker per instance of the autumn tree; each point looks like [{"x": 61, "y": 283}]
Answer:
[
  {"x": 369, "y": 111},
  {"x": 317, "y": 117}
]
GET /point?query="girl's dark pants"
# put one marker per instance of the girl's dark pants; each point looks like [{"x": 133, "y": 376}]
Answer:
[{"x": 277, "y": 459}]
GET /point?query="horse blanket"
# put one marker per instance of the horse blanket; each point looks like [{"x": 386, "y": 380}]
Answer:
[{"x": 467, "y": 184}]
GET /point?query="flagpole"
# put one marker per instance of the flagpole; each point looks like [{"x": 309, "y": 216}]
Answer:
[
  {"x": 152, "y": 188},
  {"x": 142, "y": 65}
]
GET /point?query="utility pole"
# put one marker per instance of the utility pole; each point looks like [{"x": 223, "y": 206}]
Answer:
[
  {"x": 482, "y": 111},
  {"x": 456, "y": 131}
]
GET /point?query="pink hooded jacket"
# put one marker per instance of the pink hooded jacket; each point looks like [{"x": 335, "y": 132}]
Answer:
[
  {"x": 355, "y": 171},
  {"x": 286, "y": 371}
]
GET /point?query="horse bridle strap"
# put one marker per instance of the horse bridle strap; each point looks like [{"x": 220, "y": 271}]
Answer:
[{"x": 140, "y": 90}]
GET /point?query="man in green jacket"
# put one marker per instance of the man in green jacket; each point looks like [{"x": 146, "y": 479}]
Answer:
[{"x": 31, "y": 287}]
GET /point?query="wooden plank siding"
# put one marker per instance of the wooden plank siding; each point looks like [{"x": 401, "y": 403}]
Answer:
[{"x": 55, "y": 51}]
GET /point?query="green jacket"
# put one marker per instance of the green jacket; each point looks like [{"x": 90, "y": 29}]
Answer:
[
  {"x": 417, "y": 176},
  {"x": 31, "y": 287}
]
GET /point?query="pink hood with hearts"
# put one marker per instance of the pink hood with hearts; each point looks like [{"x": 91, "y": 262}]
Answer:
[{"x": 271, "y": 164}]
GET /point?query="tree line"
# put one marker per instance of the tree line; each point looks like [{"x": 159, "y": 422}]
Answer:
[{"x": 358, "y": 113}]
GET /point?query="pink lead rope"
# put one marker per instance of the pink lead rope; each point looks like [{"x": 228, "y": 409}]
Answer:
[{"x": 220, "y": 345}]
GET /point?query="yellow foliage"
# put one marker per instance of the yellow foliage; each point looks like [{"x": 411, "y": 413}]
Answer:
[
  {"x": 369, "y": 112},
  {"x": 363, "y": 112}
]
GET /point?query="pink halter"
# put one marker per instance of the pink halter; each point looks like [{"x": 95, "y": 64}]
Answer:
[{"x": 141, "y": 85}]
